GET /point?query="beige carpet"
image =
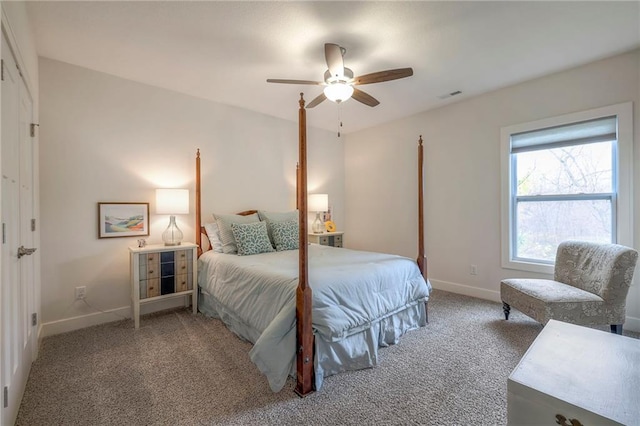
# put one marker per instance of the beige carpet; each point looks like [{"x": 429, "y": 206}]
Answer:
[{"x": 184, "y": 369}]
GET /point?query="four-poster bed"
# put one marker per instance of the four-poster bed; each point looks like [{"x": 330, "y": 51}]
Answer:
[{"x": 360, "y": 300}]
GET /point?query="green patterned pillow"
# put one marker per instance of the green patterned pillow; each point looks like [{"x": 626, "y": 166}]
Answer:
[
  {"x": 286, "y": 235},
  {"x": 224, "y": 222},
  {"x": 272, "y": 217},
  {"x": 251, "y": 238}
]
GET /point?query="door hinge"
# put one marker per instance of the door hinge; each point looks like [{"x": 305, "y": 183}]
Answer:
[
  {"x": 4, "y": 233},
  {"x": 33, "y": 225},
  {"x": 33, "y": 129},
  {"x": 6, "y": 396},
  {"x": 2, "y": 72},
  {"x": 34, "y": 319}
]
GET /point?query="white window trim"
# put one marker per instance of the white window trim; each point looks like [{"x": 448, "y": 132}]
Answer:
[{"x": 624, "y": 159}]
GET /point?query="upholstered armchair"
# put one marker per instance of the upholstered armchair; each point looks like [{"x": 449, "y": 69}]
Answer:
[{"x": 590, "y": 286}]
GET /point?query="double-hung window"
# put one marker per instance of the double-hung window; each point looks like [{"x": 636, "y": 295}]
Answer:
[{"x": 565, "y": 178}]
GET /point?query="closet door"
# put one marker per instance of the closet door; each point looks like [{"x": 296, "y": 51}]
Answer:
[{"x": 17, "y": 295}]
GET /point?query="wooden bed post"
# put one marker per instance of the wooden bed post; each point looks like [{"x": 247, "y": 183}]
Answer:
[
  {"x": 198, "y": 208},
  {"x": 421, "y": 257},
  {"x": 304, "y": 332}
]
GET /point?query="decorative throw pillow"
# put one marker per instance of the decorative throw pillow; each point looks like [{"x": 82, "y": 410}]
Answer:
[
  {"x": 286, "y": 235},
  {"x": 224, "y": 222},
  {"x": 251, "y": 238},
  {"x": 213, "y": 235},
  {"x": 273, "y": 217}
]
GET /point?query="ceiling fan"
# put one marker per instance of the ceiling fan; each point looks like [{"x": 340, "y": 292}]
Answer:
[{"x": 339, "y": 81}]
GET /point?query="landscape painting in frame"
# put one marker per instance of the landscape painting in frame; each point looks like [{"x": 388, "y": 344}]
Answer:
[{"x": 123, "y": 220}]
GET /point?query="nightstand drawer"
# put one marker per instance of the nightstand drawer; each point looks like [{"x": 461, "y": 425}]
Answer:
[
  {"x": 182, "y": 283},
  {"x": 324, "y": 240},
  {"x": 151, "y": 286},
  {"x": 183, "y": 255},
  {"x": 149, "y": 271},
  {"x": 182, "y": 267}
]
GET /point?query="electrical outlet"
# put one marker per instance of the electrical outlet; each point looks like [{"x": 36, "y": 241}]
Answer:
[
  {"x": 473, "y": 269},
  {"x": 81, "y": 292}
]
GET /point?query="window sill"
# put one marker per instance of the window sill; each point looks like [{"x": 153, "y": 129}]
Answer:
[{"x": 540, "y": 268}]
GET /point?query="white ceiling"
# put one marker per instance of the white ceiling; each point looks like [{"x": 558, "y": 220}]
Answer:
[{"x": 224, "y": 51}]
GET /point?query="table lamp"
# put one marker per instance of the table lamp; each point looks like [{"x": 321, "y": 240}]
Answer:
[
  {"x": 318, "y": 203},
  {"x": 172, "y": 202}
]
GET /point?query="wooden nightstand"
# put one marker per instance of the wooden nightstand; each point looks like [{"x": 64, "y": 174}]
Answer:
[
  {"x": 160, "y": 272},
  {"x": 333, "y": 239}
]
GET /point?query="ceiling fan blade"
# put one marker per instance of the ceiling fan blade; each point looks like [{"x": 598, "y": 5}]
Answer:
[
  {"x": 276, "y": 80},
  {"x": 321, "y": 97},
  {"x": 380, "y": 76},
  {"x": 365, "y": 98},
  {"x": 333, "y": 56}
]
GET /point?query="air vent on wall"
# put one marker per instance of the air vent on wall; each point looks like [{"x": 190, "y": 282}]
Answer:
[{"x": 448, "y": 95}]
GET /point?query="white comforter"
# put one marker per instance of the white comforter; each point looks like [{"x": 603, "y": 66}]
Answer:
[{"x": 255, "y": 297}]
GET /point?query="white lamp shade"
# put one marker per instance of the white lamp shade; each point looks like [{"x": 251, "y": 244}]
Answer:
[
  {"x": 172, "y": 201},
  {"x": 318, "y": 202},
  {"x": 338, "y": 92}
]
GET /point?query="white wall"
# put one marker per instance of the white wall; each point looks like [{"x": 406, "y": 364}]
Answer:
[
  {"x": 462, "y": 174},
  {"x": 108, "y": 139}
]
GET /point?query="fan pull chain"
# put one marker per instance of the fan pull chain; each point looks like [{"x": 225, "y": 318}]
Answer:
[{"x": 339, "y": 119}]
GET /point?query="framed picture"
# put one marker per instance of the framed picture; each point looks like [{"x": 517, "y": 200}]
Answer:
[
  {"x": 326, "y": 216},
  {"x": 123, "y": 220}
]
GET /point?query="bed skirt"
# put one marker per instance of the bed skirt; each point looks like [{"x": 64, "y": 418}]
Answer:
[{"x": 353, "y": 352}]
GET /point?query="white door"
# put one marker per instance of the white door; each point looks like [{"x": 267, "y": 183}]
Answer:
[{"x": 18, "y": 281}]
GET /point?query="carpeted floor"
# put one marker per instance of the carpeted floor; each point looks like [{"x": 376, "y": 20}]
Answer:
[{"x": 184, "y": 369}]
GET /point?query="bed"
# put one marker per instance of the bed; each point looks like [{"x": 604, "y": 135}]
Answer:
[{"x": 314, "y": 310}]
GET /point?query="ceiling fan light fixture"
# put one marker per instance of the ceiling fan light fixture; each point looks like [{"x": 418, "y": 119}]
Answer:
[{"x": 338, "y": 91}]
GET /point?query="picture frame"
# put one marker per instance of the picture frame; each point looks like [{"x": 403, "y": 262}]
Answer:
[{"x": 123, "y": 219}]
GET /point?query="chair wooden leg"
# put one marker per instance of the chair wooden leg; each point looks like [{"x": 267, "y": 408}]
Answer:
[
  {"x": 506, "y": 308},
  {"x": 616, "y": 328}
]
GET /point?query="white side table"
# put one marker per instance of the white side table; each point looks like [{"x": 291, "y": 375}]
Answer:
[{"x": 160, "y": 272}]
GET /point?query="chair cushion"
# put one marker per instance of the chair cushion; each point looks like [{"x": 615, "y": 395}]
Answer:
[
  {"x": 550, "y": 291},
  {"x": 543, "y": 300}
]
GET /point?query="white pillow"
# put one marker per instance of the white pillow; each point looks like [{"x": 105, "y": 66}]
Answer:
[{"x": 214, "y": 236}]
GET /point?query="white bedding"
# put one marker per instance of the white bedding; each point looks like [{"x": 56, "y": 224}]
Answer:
[{"x": 361, "y": 300}]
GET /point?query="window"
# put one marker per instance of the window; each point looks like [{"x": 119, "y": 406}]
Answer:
[{"x": 565, "y": 178}]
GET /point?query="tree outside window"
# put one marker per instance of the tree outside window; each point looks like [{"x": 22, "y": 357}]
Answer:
[{"x": 561, "y": 194}]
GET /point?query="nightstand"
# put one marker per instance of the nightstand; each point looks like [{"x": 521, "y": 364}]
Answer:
[
  {"x": 161, "y": 272},
  {"x": 333, "y": 239}
]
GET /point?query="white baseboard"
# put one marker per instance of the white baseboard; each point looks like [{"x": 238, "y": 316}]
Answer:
[
  {"x": 110, "y": 315},
  {"x": 631, "y": 323},
  {"x": 466, "y": 290},
  {"x": 83, "y": 321}
]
